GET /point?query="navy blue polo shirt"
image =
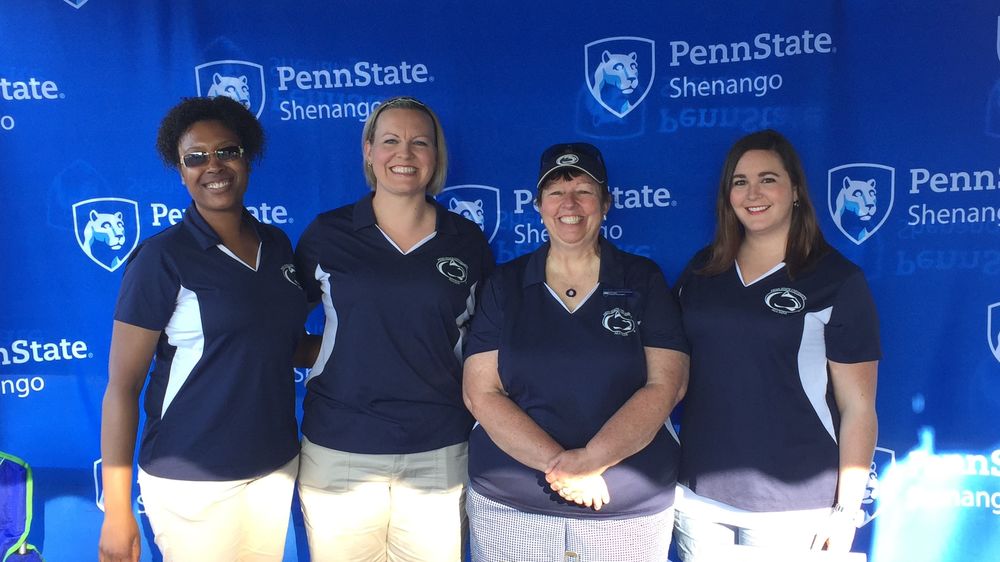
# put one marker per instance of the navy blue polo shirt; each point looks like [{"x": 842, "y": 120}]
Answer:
[
  {"x": 570, "y": 373},
  {"x": 220, "y": 403},
  {"x": 760, "y": 424},
  {"x": 388, "y": 379}
]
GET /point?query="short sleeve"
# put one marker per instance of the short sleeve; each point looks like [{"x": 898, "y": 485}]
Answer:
[
  {"x": 852, "y": 335},
  {"x": 148, "y": 294},
  {"x": 489, "y": 263},
  {"x": 487, "y": 322},
  {"x": 306, "y": 261},
  {"x": 661, "y": 320}
]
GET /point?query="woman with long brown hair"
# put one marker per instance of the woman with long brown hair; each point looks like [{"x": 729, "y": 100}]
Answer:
[{"x": 779, "y": 422}]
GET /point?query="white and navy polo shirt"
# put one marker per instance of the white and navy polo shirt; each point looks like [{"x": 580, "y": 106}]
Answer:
[
  {"x": 388, "y": 379},
  {"x": 570, "y": 373},
  {"x": 220, "y": 404},
  {"x": 760, "y": 424}
]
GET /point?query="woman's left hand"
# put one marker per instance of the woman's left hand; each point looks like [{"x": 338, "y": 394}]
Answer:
[{"x": 836, "y": 533}]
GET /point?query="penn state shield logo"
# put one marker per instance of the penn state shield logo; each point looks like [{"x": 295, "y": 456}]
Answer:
[
  {"x": 478, "y": 203},
  {"x": 883, "y": 461},
  {"x": 619, "y": 72},
  {"x": 241, "y": 80},
  {"x": 993, "y": 328},
  {"x": 107, "y": 229},
  {"x": 860, "y": 198}
]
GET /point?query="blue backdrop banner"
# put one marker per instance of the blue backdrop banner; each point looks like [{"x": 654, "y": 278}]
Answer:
[{"x": 894, "y": 106}]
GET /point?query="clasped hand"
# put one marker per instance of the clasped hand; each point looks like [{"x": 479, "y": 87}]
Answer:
[{"x": 576, "y": 477}]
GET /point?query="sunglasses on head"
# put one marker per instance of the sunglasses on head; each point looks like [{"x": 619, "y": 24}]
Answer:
[{"x": 224, "y": 154}]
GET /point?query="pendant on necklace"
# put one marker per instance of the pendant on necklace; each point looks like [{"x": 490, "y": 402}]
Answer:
[{"x": 570, "y": 292}]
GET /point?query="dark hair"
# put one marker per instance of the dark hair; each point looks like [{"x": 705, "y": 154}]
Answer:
[
  {"x": 567, "y": 174},
  {"x": 805, "y": 242},
  {"x": 231, "y": 113}
]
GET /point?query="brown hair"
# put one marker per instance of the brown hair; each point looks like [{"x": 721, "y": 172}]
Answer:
[{"x": 805, "y": 242}]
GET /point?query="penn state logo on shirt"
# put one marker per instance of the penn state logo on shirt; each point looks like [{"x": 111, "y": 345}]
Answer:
[
  {"x": 785, "y": 301},
  {"x": 453, "y": 269},
  {"x": 288, "y": 270},
  {"x": 619, "y": 322}
]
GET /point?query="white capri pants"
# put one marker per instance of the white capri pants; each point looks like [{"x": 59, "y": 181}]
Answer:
[
  {"x": 697, "y": 533},
  {"x": 500, "y": 533},
  {"x": 375, "y": 508},
  {"x": 244, "y": 520}
]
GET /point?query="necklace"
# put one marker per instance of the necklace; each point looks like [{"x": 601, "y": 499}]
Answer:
[{"x": 571, "y": 292}]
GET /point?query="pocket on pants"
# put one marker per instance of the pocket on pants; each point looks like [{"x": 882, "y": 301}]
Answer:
[{"x": 329, "y": 469}]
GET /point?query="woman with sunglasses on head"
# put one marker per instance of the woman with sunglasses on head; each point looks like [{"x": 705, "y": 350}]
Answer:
[
  {"x": 779, "y": 422},
  {"x": 575, "y": 359},
  {"x": 216, "y": 301},
  {"x": 383, "y": 463}
]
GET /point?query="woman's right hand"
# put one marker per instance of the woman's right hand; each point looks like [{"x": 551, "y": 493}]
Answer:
[
  {"x": 590, "y": 490},
  {"x": 119, "y": 539}
]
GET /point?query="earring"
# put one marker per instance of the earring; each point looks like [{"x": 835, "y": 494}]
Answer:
[
  {"x": 795, "y": 204},
  {"x": 369, "y": 163}
]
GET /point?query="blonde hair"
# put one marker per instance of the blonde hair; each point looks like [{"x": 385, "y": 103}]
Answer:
[{"x": 436, "y": 182}]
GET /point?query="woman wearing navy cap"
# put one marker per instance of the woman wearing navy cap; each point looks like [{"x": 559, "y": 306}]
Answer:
[
  {"x": 779, "y": 421},
  {"x": 216, "y": 301},
  {"x": 384, "y": 457},
  {"x": 575, "y": 359}
]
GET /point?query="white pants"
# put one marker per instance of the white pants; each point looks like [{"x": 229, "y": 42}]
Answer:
[
  {"x": 698, "y": 537},
  {"x": 375, "y": 508},
  {"x": 244, "y": 520}
]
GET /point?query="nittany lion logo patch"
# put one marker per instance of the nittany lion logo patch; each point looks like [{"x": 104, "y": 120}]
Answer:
[
  {"x": 241, "y": 80},
  {"x": 107, "y": 229},
  {"x": 288, "y": 270},
  {"x": 478, "y": 203},
  {"x": 784, "y": 300},
  {"x": 619, "y": 322},
  {"x": 453, "y": 269},
  {"x": 860, "y": 197},
  {"x": 619, "y": 72}
]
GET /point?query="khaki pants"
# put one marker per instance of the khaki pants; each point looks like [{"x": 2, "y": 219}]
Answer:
[
  {"x": 375, "y": 508},
  {"x": 245, "y": 520}
]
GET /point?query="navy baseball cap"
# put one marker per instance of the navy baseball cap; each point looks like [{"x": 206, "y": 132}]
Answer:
[{"x": 577, "y": 155}]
